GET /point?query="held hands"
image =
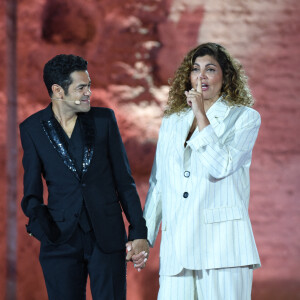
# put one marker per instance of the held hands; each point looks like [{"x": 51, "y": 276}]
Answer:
[{"x": 138, "y": 252}]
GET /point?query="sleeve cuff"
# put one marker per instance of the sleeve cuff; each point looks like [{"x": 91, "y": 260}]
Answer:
[{"x": 203, "y": 138}]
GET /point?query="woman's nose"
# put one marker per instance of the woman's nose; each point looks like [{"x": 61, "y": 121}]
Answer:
[{"x": 202, "y": 75}]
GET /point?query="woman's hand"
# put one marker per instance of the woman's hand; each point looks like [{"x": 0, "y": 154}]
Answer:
[{"x": 195, "y": 100}]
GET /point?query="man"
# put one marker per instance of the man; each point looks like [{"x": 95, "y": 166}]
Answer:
[{"x": 79, "y": 152}]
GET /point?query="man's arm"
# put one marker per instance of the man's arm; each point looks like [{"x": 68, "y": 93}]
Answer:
[
  {"x": 40, "y": 220},
  {"x": 32, "y": 181},
  {"x": 126, "y": 190}
]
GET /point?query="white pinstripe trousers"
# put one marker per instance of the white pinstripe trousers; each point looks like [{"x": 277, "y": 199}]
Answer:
[{"x": 215, "y": 284}]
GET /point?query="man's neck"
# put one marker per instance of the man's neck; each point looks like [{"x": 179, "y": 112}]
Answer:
[{"x": 63, "y": 115}]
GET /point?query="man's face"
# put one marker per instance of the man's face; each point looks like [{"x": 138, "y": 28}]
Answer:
[{"x": 79, "y": 92}]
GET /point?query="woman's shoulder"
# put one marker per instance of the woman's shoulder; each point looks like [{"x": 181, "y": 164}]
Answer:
[
  {"x": 245, "y": 110},
  {"x": 177, "y": 116},
  {"x": 245, "y": 114}
]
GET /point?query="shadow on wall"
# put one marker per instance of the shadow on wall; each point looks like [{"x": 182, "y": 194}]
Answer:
[
  {"x": 281, "y": 290},
  {"x": 67, "y": 22}
]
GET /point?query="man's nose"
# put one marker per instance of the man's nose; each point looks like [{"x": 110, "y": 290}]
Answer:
[{"x": 88, "y": 91}]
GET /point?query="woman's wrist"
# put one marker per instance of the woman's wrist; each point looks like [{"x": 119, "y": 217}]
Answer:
[{"x": 202, "y": 121}]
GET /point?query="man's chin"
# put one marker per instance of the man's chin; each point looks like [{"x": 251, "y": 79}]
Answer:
[
  {"x": 87, "y": 108},
  {"x": 83, "y": 108}
]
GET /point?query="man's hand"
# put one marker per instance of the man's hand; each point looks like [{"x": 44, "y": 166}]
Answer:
[{"x": 138, "y": 252}]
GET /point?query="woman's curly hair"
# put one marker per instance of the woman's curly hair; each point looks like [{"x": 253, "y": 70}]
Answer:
[{"x": 235, "y": 90}]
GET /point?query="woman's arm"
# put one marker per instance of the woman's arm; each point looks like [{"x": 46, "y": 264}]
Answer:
[{"x": 223, "y": 158}]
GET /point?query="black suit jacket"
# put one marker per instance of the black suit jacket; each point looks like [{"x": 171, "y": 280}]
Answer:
[{"x": 105, "y": 183}]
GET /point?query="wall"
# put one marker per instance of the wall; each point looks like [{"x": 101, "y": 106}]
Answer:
[{"x": 133, "y": 47}]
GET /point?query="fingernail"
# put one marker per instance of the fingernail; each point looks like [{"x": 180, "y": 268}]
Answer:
[
  {"x": 134, "y": 265},
  {"x": 128, "y": 248},
  {"x": 146, "y": 254},
  {"x": 145, "y": 259},
  {"x": 139, "y": 270}
]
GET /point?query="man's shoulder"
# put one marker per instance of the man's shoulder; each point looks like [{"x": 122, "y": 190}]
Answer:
[
  {"x": 36, "y": 117},
  {"x": 102, "y": 112}
]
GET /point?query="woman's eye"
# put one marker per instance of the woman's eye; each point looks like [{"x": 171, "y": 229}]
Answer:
[
  {"x": 211, "y": 70},
  {"x": 195, "y": 69}
]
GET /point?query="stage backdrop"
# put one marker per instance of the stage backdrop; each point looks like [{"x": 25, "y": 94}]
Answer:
[{"x": 133, "y": 47}]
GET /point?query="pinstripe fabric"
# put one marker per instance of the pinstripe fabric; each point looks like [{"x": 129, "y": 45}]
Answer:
[
  {"x": 210, "y": 228},
  {"x": 215, "y": 284}
]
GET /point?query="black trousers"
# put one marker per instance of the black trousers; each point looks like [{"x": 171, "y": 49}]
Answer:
[{"x": 67, "y": 266}]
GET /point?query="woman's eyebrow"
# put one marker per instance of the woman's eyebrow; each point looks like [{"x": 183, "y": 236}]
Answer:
[{"x": 209, "y": 64}]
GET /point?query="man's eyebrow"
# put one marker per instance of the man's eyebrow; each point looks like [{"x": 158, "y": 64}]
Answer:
[{"x": 84, "y": 84}]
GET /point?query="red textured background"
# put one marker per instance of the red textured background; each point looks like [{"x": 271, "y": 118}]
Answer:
[{"x": 133, "y": 47}]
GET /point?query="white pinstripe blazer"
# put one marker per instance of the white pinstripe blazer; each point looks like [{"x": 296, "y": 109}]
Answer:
[{"x": 201, "y": 192}]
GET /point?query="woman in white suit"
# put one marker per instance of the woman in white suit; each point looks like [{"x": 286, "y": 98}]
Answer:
[{"x": 199, "y": 185}]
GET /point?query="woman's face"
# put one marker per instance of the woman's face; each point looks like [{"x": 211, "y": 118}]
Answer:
[{"x": 211, "y": 76}]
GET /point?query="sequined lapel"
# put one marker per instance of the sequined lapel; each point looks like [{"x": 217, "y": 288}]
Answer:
[
  {"x": 57, "y": 139},
  {"x": 88, "y": 130}
]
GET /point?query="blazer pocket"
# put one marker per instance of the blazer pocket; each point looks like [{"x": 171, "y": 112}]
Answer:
[
  {"x": 57, "y": 214},
  {"x": 33, "y": 228},
  {"x": 222, "y": 214},
  {"x": 113, "y": 208}
]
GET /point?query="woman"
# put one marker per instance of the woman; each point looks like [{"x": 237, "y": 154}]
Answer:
[{"x": 199, "y": 185}]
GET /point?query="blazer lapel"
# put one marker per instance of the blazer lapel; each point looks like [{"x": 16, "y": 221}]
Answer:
[
  {"x": 88, "y": 130},
  {"x": 55, "y": 134},
  {"x": 216, "y": 115},
  {"x": 183, "y": 124}
]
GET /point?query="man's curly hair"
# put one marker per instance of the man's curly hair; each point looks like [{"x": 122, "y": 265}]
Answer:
[
  {"x": 234, "y": 91},
  {"x": 58, "y": 69}
]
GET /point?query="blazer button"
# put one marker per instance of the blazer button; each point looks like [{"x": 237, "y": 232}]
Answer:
[
  {"x": 185, "y": 194},
  {"x": 186, "y": 174},
  {"x": 83, "y": 185}
]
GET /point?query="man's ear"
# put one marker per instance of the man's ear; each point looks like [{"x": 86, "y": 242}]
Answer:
[{"x": 57, "y": 91}]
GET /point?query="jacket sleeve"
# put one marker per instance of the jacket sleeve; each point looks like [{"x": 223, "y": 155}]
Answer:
[
  {"x": 222, "y": 158},
  {"x": 33, "y": 185},
  {"x": 153, "y": 205},
  {"x": 125, "y": 184}
]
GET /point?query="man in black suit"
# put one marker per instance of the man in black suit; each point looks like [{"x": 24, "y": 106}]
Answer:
[{"x": 79, "y": 152}]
